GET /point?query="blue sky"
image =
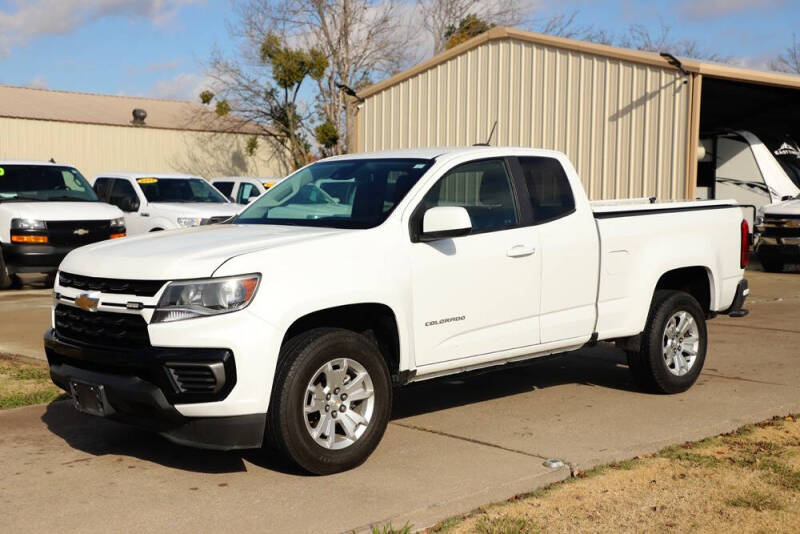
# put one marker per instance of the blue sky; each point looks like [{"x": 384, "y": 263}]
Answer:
[{"x": 157, "y": 47}]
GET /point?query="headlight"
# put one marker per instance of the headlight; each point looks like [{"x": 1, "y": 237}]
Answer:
[
  {"x": 28, "y": 224},
  {"x": 201, "y": 298},
  {"x": 188, "y": 222},
  {"x": 118, "y": 224}
]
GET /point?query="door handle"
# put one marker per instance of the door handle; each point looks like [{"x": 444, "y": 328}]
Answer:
[
  {"x": 518, "y": 251},
  {"x": 144, "y": 214}
]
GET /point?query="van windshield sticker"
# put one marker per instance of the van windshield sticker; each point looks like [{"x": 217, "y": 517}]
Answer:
[
  {"x": 2, "y": 171},
  {"x": 147, "y": 180},
  {"x": 420, "y": 165}
]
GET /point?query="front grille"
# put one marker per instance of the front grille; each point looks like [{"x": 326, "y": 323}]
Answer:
[
  {"x": 77, "y": 233},
  {"x": 141, "y": 288},
  {"x": 104, "y": 329},
  {"x": 198, "y": 377},
  {"x": 217, "y": 220}
]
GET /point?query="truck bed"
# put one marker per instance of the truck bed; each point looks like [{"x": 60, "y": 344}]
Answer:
[{"x": 643, "y": 206}]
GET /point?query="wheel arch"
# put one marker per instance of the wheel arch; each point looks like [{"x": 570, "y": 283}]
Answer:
[
  {"x": 696, "y": 280},
  {"x": 375, "y": 320}
]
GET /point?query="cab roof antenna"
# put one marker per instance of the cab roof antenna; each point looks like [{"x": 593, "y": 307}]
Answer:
[{"x": 491, "y": 134}]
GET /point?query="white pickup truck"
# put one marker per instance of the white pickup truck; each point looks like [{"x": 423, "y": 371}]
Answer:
[{"x": 291, "y": 324}]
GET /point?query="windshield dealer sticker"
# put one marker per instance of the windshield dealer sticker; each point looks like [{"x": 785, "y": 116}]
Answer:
[
  {"x": 147, "y": 180},
  {"x": 2, "y": 171}
]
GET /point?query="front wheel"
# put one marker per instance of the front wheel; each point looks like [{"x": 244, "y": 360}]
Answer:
[
  {"x": 331, "y": 400},
  {"x": 673, "y": 344}
]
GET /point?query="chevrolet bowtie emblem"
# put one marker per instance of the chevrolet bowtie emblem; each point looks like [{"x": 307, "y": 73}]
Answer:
[
  {"x": 87, "y": 303},
  {"x": 81, "y": 231}
]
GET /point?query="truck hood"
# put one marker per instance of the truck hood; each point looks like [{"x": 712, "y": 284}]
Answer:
[
  {"x": 183, "y": 254},
  {"x": 60, "y": 211},
  {"x": 790, "y": 207},
  {"x": 196, "y": 209}
]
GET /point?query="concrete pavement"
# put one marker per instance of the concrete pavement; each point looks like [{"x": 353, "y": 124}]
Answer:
[{"x": 453, "y": 444}]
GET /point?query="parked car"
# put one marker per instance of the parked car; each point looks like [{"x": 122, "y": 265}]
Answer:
[
  {"x": 737, "y": 165},
  {"x": 243, "y": 189},
  {"x": 46, "y": 210},
  {"x": 292, "y": 324},
  {"x": 779, "y": 231},
  {"x": 153, "y": 202}
]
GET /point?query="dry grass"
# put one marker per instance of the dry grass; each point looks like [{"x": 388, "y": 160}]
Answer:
[
  {"x": 746, "y": 481},
  {"x": 22, "y": 384}
]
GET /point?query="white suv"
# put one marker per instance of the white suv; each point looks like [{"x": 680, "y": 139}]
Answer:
[{"x": 153, "y": 202}]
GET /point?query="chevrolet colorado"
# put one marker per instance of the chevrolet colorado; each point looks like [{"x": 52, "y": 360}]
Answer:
[{"x": 291, "y": 324}]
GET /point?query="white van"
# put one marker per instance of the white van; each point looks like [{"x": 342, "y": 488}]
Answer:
[
  {"x": 46, "y": 210},
  {"x": 153, "y": 202},
  {"x": 243, "y": 189}
]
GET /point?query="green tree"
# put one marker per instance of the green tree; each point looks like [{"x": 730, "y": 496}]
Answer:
[{"x": 467, "y": 28}]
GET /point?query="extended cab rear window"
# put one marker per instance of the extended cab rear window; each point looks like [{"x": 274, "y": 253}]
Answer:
[
  {"x": 43, "y": 183},
  {"x": 548, "y": 186}
]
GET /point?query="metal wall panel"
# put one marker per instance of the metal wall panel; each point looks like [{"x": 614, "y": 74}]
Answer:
[
  {"x": 623, "y": 124},
  {"x": 98, "y": 148}
]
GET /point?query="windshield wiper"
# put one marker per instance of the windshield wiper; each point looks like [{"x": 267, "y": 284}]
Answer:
[
  {"x": 69, "y": 198},
  {"x": 21, "y": 199}
]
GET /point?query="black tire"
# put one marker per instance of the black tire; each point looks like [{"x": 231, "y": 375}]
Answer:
[
  {"x": 6, "y": 279},
  {"x": 648, "y": 364},
  {"x": 300, "y": 358},
  {"x": 770, "y": 264}
]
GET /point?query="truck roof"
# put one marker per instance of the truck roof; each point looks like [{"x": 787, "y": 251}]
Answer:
[
  {"x": 435, "y": 152},
  {"x": 34, "y": 162},
  {"x": 135, "y": 175}
]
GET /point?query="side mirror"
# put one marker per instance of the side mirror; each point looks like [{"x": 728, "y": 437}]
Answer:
[
  {"x": 129, "y": 204},
  {"x": 445, "y": 221},
  {"x": 787, "y": 197}
]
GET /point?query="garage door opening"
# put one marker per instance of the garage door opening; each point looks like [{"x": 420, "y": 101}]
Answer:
[{"x": 748, "y": 147}]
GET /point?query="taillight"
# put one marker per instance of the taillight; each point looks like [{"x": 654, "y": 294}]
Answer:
[{"x": 745, "y": 244}]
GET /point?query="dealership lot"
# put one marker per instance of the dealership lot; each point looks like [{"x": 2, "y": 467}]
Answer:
[{"x": 451, "y": 445}]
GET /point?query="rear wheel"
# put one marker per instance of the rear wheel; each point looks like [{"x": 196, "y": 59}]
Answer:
[
  {"x": 673, "y": 344},
  {"x": 331, "y": 400},
  {"x": 771, "y": 265}
]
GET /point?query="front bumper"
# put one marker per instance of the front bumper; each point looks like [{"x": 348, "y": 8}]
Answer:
[
  {"x": 141, "y": 390},
  {"x": 34, "y": 258}
]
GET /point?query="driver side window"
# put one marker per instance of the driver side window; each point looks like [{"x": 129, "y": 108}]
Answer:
[
  {"x": 483, "y": 188},
  {"x": 123, "y": 196}
]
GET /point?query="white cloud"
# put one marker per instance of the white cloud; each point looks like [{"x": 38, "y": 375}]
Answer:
[
  {"x": 28, "y": 19},
  {"x": 720, "y": 8},
  {"x": 182, "y": 86}
]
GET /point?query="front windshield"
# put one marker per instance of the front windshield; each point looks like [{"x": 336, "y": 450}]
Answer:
[
  {"x": 791, "y": 165},
  {"x": 43, "y": 183},
  {"x": 179, "y": 190},
  {"x": 350, "y": 193}
]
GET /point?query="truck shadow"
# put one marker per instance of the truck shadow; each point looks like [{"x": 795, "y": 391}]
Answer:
[
  {"x": 101, "y": 437},
  {"x": 602, "y": 366}
]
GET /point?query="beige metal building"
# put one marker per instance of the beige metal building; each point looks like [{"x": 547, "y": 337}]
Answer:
[
  {"x": 629, "y": 120},
  {"x": 97, "y": 133}
]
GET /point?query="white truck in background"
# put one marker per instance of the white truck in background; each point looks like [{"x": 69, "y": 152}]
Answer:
[
  {"x": 47, "y": 210},
  {"x": 291, "y": 324},
  {"x": 243, "y": 189},
  {"x": 154, "y": 202}
]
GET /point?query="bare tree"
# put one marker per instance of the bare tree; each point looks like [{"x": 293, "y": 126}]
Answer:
[
  {"x": 363, "y": 40},
  {"x": 660, "y": 39},
  {"x": 789, "y": 60},
  {"x": 436, "y": 16},
  {"x": 566, "y": 25}
]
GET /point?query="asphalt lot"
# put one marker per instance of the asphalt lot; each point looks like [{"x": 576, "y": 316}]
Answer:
[{"x": 452, "y": 445}]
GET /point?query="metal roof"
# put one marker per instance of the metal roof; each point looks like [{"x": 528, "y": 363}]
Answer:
[
  {"x": 88, "y": 108},
  {"x": 716, "y": 70}
]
